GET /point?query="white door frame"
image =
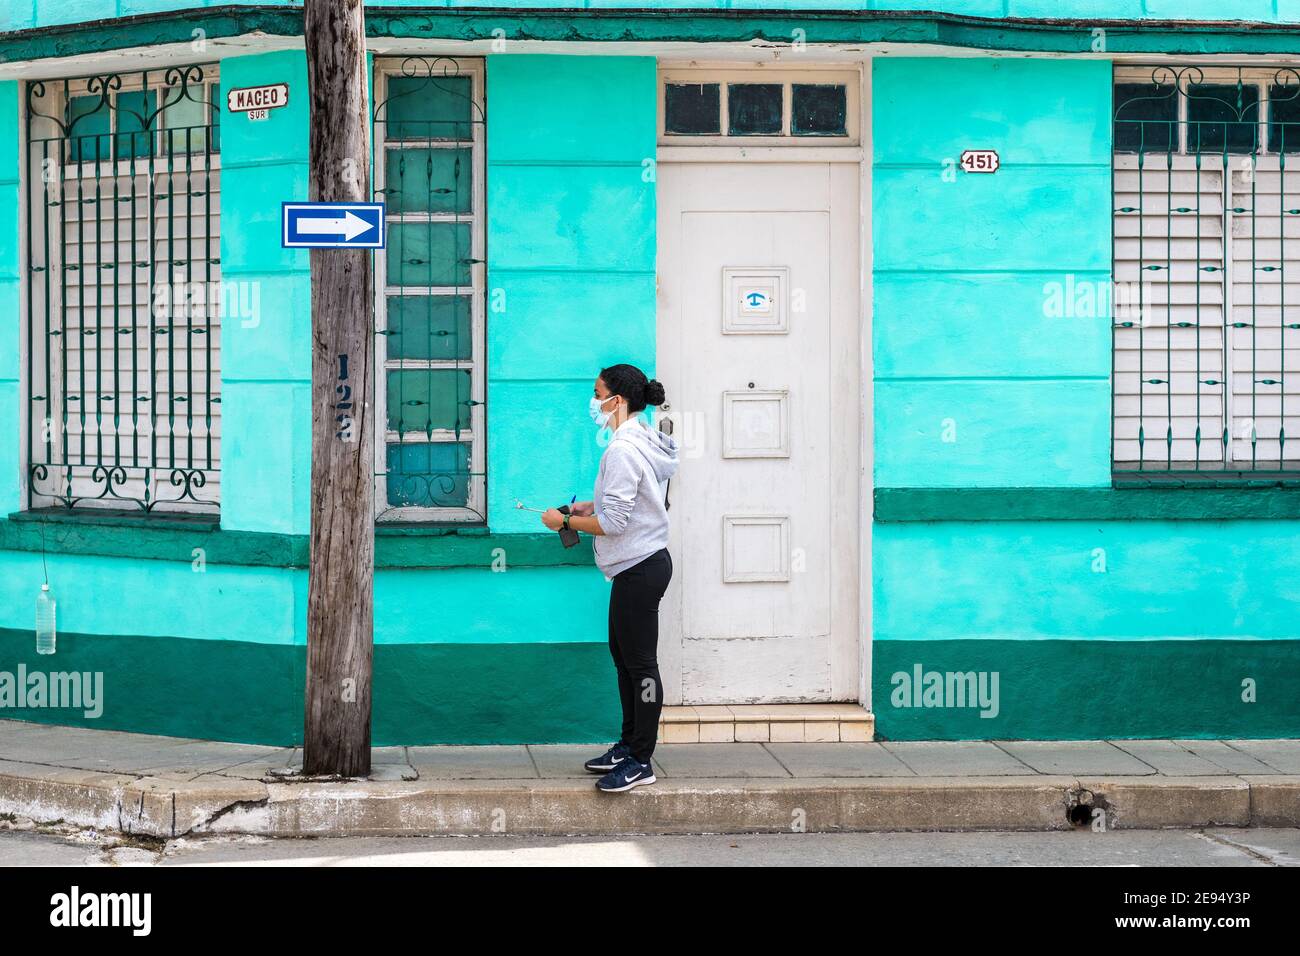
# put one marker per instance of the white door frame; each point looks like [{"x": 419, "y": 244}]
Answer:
[
  {"x": 866, "y": 427},
  {"x": 861, "y": 154}
]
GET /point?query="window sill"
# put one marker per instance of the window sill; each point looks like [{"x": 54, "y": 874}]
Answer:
[
  {"x": 116, "y": 518},
  {"x": 151, "y": 537},
  {"x": 434, "y": 547},
  {"x": 187, "y": 538},
  {"x": 428, "y": 529},
  {"x": 1145, "y": 503}
]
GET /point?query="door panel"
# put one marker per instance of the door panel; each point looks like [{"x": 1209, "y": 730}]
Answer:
[{"x": 758, "y": 350}]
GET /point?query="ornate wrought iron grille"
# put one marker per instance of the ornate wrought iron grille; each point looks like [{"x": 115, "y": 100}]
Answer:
[
  {"x": 1206, "y": 234},
  {"x": 429, "y": 126},
  {"x": 123, "y": 292}
]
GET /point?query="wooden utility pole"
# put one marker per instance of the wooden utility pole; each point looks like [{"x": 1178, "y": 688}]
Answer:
[{"x": 340, "y": 597}]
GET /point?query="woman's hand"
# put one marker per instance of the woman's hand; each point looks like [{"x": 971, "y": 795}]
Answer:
[
  {"x": 552, "y": 518},
  {"x": 582, "y": 509}
]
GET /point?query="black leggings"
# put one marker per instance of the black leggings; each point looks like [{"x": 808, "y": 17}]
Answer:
[{"x": 634, "y": 644}]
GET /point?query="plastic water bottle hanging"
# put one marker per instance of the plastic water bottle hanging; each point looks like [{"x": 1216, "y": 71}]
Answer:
[{"x": 45, "y": 635}]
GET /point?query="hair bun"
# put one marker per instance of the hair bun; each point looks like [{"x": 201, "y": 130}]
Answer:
[{"x": 654, "y": 392}]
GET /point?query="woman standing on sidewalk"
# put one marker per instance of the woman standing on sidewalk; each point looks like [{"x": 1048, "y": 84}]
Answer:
[{"x": 628, "y": 518}]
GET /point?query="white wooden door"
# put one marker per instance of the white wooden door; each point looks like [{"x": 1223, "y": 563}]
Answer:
[{"x": 758, "y": 348}]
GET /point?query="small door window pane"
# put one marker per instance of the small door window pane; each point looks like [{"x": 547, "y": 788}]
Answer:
[
  {"x": 88, "y": 128},
  {"x": 754, "y": 109},
  {"x": 693, "y": 109},
  {"x": 1284, "y": 118},
  {"x": 428, "y": 180},
  {"x": 428, "y": 400},
  {"x": 421, "y": 107},
  {"x": 434, "y": 475},
  {"x": 818, "y": 109},
  {"x": 187, "y": 120},
  {"x": 135, "y": 124},
  {"x": 429, "y": 327},
  {"x": 1219, "y": 114},
  {"x": 429, "y": 253},
  {"x": 1146, "y": 117}
]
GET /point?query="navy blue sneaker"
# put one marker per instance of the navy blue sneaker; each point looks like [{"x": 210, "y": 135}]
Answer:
[
  {"x": 610, "y": 759},
  {"x": 628, "y": 774}
]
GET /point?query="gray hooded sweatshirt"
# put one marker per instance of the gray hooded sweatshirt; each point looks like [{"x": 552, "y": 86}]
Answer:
[{"x": 629, "y": 496}]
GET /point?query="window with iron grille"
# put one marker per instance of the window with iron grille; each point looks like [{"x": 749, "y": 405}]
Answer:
[
  {"x": 1207, "y": 273},
  {"x": 428, "y": 133},
  {"x": 122, "y": 336}
]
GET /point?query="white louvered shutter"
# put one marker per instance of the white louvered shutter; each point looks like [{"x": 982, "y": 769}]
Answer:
[
  {"x": 1265, "y": 353},
  {"x": 137, "y": 300},
  {"x": 1168, "y": 310}
]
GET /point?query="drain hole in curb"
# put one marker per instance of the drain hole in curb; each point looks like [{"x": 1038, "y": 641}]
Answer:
[
  {"x": 1080, "y": 816},
  {"x": 1084, "y": 805}
]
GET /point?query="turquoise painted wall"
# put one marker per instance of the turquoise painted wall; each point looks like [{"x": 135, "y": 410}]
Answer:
[
  {"x": 112, "y": 596},
  {"x": 1121, "y": 629},
  {"x": 961, "y": 332},
  {"x": 23, "y": 14},
  {"x": 1129, "y": 580},
  {"x": 976, "y": 383},
  {"x": 1094, "y": 629},
  {"x": 464, "y": 653},
  {"x": 571, "y": 260},
  {"x": 12, "y": 408},
  {"x": 265, "y": 353},
  {"x": 462, "y": 656}
]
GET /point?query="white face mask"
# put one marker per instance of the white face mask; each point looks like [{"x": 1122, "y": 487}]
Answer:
[{"x": 601, "y": 418}]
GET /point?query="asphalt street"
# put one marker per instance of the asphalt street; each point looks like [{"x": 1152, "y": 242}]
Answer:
[{"x": 24, "y": 845}]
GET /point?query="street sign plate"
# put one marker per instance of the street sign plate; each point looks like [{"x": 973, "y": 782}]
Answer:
[
  {"x": 256, "y": 100},
  {"x": 333, "y": 225}
]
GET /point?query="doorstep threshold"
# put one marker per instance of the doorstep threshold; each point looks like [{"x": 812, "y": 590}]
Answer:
[{"x": 766, "y": 723}]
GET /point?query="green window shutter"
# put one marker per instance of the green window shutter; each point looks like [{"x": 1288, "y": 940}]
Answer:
[
  {"x": 429, "y": 180},
  {"x": 428, "y": 400},
  {"x": 430, "y": 327},
  {"x": 428, "y": 475},
  {"x": 429, "y": 254},
  {"x": 437, "y": 107}
]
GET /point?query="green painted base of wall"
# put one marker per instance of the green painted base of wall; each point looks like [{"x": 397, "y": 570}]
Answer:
[
  {"x": 1092, "y": 690},
  {"x": 217, "y": 690},
  {"x": 495, "y": 694},
  {"x": 252, "y": 693},
  {"x": 565, "y": 693}
]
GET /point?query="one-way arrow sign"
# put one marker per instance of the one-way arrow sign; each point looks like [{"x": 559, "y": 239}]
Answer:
[{"x": 332, "y": 225}]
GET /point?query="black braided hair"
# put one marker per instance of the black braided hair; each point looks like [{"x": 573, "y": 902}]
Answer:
[{"x": 630, "y": 382}]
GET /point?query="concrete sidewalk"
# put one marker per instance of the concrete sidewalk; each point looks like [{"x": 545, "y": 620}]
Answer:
[{"x": 168, "y": 787}]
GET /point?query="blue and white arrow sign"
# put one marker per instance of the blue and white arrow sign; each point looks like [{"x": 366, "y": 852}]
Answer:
[{"x": 333, "y": 225}]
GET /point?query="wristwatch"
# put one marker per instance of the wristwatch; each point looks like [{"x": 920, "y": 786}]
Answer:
[{"x": 566, "y": 522}]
